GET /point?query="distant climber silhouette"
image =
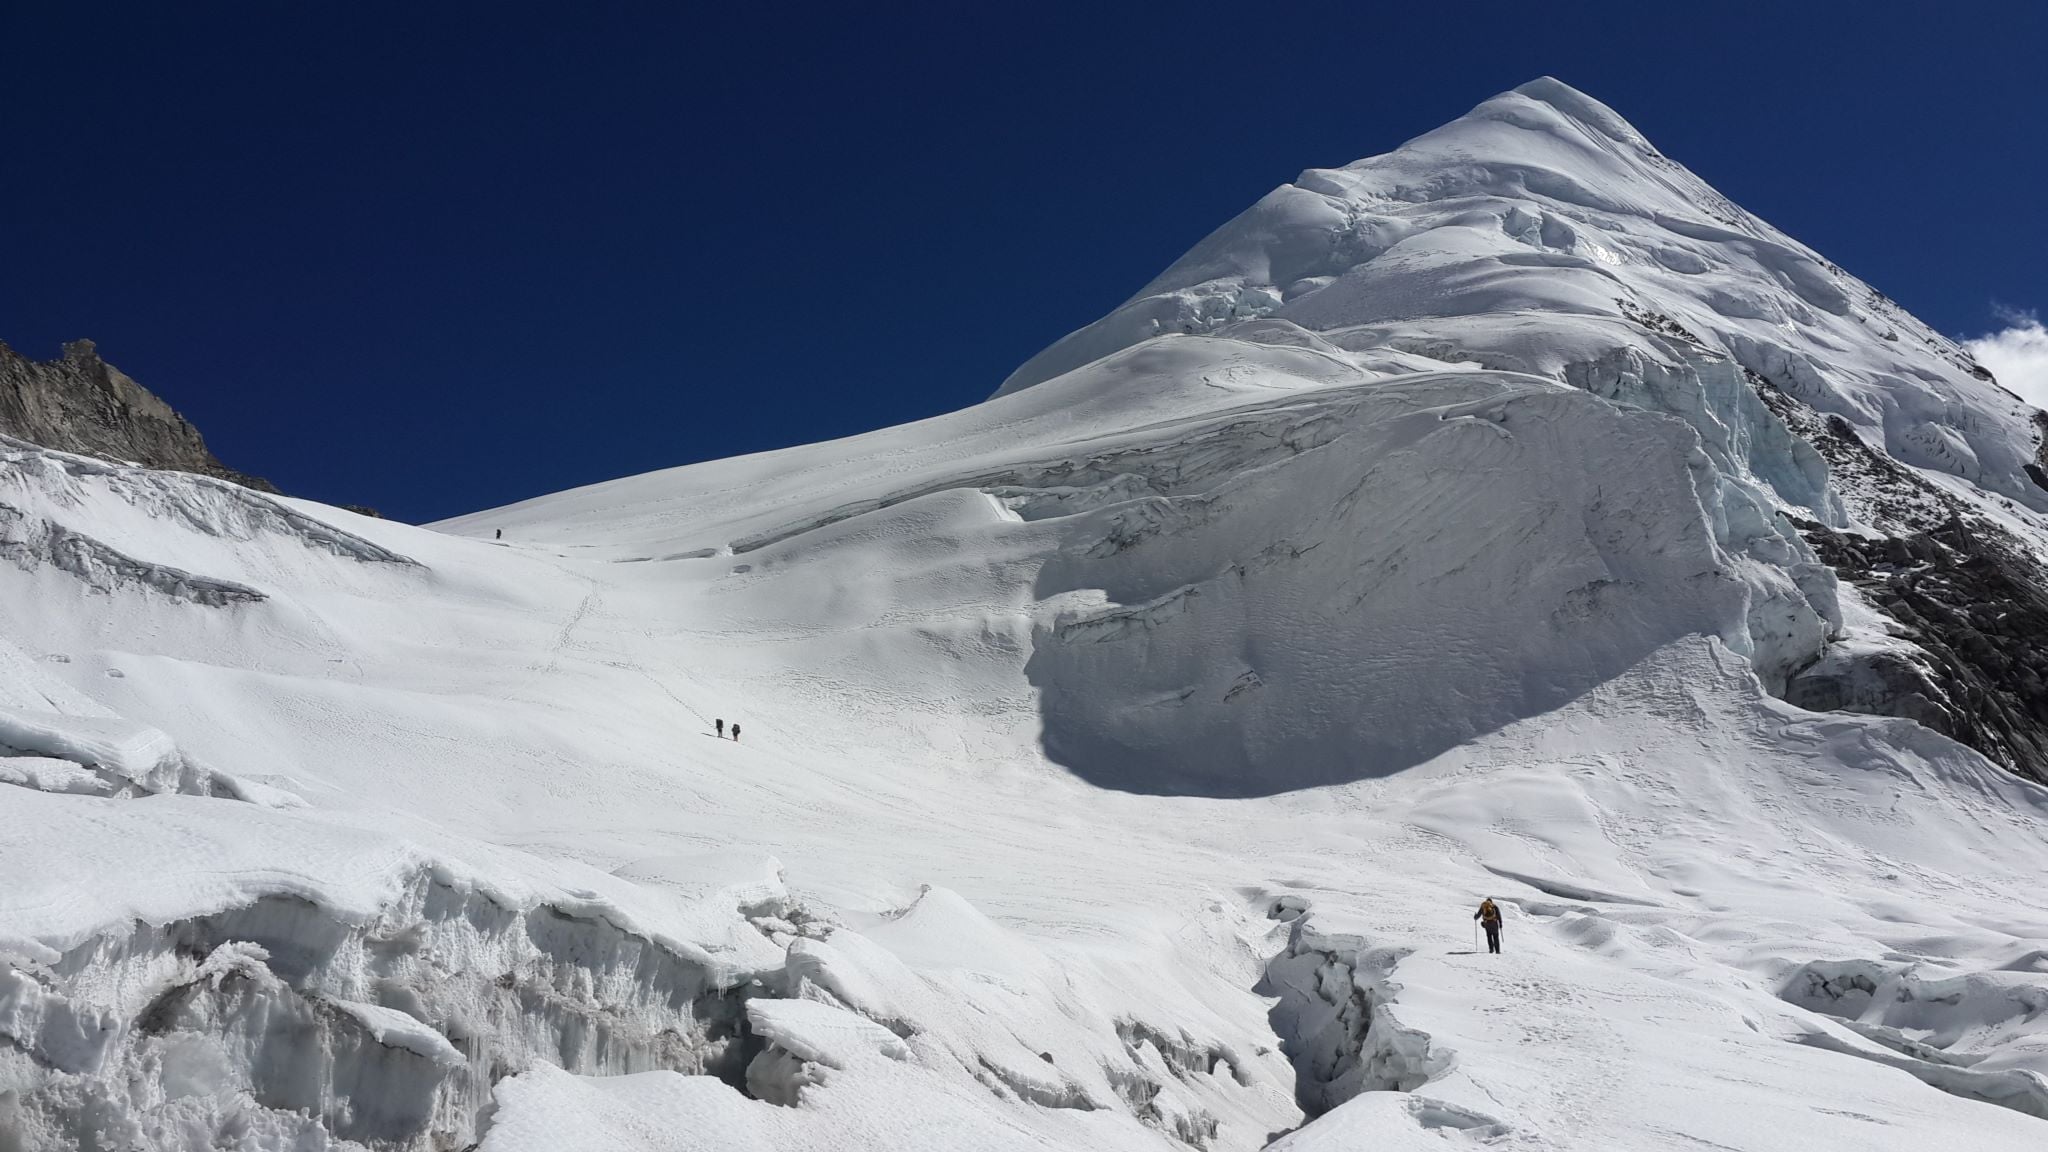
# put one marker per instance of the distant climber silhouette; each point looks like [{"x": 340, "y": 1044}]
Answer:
[
  {"x": 721, "y": 728},
  {"x": 735, "y": 731},
  {"x": 500, "y": 535},
  {"x": 1489, "y": 919}
]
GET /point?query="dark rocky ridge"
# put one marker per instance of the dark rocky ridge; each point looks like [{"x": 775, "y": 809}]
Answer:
[
  {"x": 80, "y": 403},
  {"x": 1970, "y": 599}
]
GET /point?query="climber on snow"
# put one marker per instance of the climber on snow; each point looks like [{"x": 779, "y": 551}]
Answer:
[
  {"x": 1489, "y": 919},
  {"x": 735, "y": 731},
  {"x": 721, "y": 728}
]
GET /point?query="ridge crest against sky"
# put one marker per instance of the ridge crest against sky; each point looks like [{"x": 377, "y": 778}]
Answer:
[
  {"x": 416, "y": 270},
  {"x": 1542, "y": 234}
]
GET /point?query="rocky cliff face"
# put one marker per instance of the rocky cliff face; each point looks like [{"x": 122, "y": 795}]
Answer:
[{"x": 80, "y": 403}]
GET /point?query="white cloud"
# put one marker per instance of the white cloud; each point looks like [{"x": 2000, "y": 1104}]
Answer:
[{"x": 2018, "y": 355}]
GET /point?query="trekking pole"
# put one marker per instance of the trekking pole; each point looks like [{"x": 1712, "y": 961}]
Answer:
[{"x": 1475, "y": 935}]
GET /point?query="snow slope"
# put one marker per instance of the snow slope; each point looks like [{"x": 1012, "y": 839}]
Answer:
[
  {"x": 1532, "y": 234},
  {"x": 1122, "y": 756}
]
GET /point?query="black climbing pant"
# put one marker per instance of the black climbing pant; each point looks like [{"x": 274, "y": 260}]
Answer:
[{"x": 1493, "y": 937}]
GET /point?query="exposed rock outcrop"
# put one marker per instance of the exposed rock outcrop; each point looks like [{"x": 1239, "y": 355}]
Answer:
[
  {"x": 1966, "y": 600},
  {"x": 80, "y": 403},
  {"x": 1972, "y": 601}
]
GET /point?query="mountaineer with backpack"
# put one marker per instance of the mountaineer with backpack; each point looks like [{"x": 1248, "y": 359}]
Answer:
[{"x": 1489, "y": 919}]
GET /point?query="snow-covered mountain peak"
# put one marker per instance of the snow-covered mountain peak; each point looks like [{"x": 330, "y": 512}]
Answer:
[
  {"x": 1569, "y": 101},
  {"x": 1541, "y": 233},
  {"x": 1544, "y": 121}
]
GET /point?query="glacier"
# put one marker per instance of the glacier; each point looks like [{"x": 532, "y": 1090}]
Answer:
[{"x": 1510, "y": 515}]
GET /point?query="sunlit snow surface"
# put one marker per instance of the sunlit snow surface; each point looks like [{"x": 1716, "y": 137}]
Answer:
[{"x": 1122, "y": 758}]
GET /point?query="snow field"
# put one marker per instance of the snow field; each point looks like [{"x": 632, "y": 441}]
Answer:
[{"x": 1123, "y": 756}]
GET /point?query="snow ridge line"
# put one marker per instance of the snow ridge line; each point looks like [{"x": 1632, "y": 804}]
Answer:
[
  {"x": 208, "y": 505},
  {"x": 1136, "y": 467}
]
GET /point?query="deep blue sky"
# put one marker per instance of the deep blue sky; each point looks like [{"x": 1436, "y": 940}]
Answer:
[{"x": 444, "y": 256}]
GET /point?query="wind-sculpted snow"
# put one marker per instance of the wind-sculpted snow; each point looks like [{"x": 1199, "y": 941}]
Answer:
[
  {"x": 1542, "y": 234},
  {"x": 1981, "y": 1035},
  {"x": 29, "y": 544},
  {"x": 52, "y": 739},
  {"x": 1440, "y": 559},
  {"x": 1123, "y": 757},
  {"x": 1298, "y": 580},
  {"x": 102, "y": 526},
  {"x": 1525, "y": 235},
  {"x": 207, "y": 506},
  {"x": 101, "y": 757}
]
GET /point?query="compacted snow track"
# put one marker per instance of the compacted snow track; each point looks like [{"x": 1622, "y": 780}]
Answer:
[{"x": 1123, "y": 757}]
